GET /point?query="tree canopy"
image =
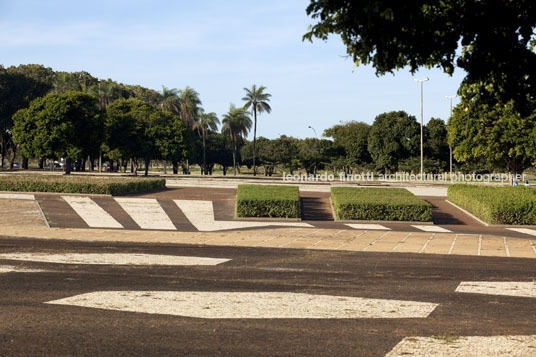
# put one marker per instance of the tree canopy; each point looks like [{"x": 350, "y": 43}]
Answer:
[{"x": 496, "y": 38}]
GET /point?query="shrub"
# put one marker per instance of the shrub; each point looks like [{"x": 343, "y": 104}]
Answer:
[
  {"x": 496, "y": 205},
  {"x": 268, "y": 201},
  {"x": 386, "y": 204},
  {"x": 78, "y": 184}
]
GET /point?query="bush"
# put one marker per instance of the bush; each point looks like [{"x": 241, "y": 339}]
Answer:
[
  {"x": 79, "y": 184},
  {"x": 385, "y": 204},
  {"x": 496, "y": 205},
  {"x": 268, "y": 201}
]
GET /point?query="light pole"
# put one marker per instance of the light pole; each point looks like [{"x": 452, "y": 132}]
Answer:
[
  {"x": 450, "y": 148},
  {"x": 310, "y": 127},
  {"x": 422, "y": 161}
]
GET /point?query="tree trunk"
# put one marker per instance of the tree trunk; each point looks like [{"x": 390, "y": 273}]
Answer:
[
  {"x": 175, "y": 165},
  {"x": 147, "y": 162},
  {"x": 25, "y": 163},
  {"x": 254, "y": 139},
  {"x": 41, "y": 163},
  {"x": 234, "y": 157},
  {"x": 68, "y": 163},
  {"x": 100, "y": 160},
  {"x": 12, "y": 156},
  {"x": 204, "y": 155}
]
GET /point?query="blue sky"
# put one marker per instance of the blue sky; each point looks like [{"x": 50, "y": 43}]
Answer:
[{"x": 217, "y": 47}]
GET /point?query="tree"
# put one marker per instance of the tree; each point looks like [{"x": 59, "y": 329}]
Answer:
[
  {"x": 206, "y": 122},
  {"x": 393, "y": 137},
  {"x": 353, "y": 138},
  {"x": 285, "y": 151},
  {"x": 498, "y": 134},
  {"x": 170, "y": 100},
  {"x": 55, "y": 125},
  {"x": 236, "y": 124},
  {"x": 189, "y": 106},
  {"x": 18, "y": 87},
  {"x": 496, "y": 38},
  {"x": 257, "y": 100},
  {"x": 436, "y": 147}
]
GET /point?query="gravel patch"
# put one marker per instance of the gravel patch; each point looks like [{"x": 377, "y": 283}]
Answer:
[
  {"x": 522, "y": 289},
  {"x": 451, "y": 346},
  {"x": 249, "y": 305},
  {"x": 113, "y": 259}
]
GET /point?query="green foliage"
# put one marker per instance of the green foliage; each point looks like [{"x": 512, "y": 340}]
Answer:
[
  {"x": 386, "y": 204},
  {"x": 236, "y": 125},
  {"x": 59, "y": 125},
  {"x": 393, "y": 137},
  {"x": 496, "y": 39},
  {"x": 74, "y": 184},
  {"x": 268, "y": 201},
  {"x": 497, "y": 134},
  {"x": 353, "y": 138},
  {"x": 496, "y": 205},
  {"x": 436, "y": 147}
]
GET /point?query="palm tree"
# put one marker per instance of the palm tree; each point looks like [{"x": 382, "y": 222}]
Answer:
[
  {"x": 189, "y": 105},
  {"x": 236, "y": 124},
  {"x": 206, "y": 122},
  {"x": 258, "y": 101},
  {"x": 169, "y": 100}
]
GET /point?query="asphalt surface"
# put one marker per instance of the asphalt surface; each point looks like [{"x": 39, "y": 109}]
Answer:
[
  {"x": 32, "y": 328},
  {"x": 316, "y": 212}
]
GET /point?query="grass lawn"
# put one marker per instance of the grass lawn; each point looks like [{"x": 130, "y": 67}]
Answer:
[
  {"x": 268, "y": 201},
  {"x": 383, "y": 204},
  {"x": 79, "y": 184}
]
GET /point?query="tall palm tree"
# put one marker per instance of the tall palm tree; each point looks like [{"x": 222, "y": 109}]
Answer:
[
  {"x": 189, "y": 109},
  {"x": 206, "y": 122},
  {"x": 189, "y": 105},
  {"x": 169, "y": 100},
  {"x": 236, "y": 124},
  {"x": 258, "y": 101}
]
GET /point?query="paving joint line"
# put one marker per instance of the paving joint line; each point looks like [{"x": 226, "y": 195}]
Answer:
[
  {"x": 452, "y": 245},
  {"x": 350, "y": 240},
  {"x": 401, "y": 242},
  {"x": 427, "y": 242},
  {"x": 479, "y": 244},
  {"x": 506, "y": 247},
  {"x": 374, "y": 241}
]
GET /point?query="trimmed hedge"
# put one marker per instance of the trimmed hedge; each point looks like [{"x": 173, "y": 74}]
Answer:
[
  {"x": 384, "y": 204},
  {"x": 79, "y": 184},
  {"x": 496, "y": 205},
  {"x": 268, "y": 201}
]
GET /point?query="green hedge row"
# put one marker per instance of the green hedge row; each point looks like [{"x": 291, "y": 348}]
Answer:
[
  {"x": 385, "y": 204},
  {"x": 79, "y": 184},
  {"x": 268, "y": 201},
  {"x": 496, "y": 205}
]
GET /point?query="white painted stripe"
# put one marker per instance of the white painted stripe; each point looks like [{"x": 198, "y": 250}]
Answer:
[
  {"x": 12, "y": 269},
  {"x": 249, "y": 305},
  {"x": 506, "y": 248},
  {"x": 453, "y": 244},
  {"x": 17, "y": 196},
  {"x": 146, "y": 212},
  {"x": 465, "y": 346},
  {"x": 93, "y": 214},
  {"x": 201, "y": 215},
  {"x": 367, "y": 226},
  {"x": 431, "y": 228},
  {"x": 113, "y": 259},
  {"x": 506, "y": 288},
  {"x": 531, "y": 232}
]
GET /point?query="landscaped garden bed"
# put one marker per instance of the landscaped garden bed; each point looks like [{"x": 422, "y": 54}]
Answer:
[
  {"x": 268, "y": 201},
  {"x": 496, "y": 205},
  {"x": 379, "y": 204},
  {"x": 79, "y": 184}
]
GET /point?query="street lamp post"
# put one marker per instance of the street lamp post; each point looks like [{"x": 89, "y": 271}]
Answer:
[
  {"x": 310, "y": 127},
  {"x": 450, "y": 147},
  {"x": 422, "y": 155}
]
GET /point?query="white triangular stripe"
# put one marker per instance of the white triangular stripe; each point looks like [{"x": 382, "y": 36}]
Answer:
[
  {"x": 367, "y": 226},
  {"x": 431, "y": 228},
  {"x": 201, "y": 215},
  {"x": 146, "y": 212},
  {"x": 93, "y": 214}
]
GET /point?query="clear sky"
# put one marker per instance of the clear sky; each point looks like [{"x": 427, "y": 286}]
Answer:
[{"x": 217, "y": 47}]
